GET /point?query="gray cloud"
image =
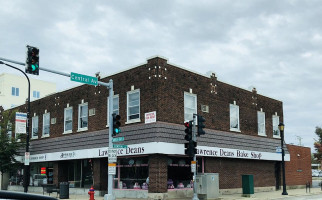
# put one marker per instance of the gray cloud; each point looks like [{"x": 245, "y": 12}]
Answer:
[{"x": 272, "y": 45}]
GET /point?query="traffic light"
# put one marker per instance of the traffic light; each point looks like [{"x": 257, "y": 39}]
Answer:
[
  {"x": 32, "y": 60},
  {"x": 190, "y": 148},
  {"x": 188, "y": 130},
  {"x": 201, "y": 125},
  {"x": 116, "y": 124}
]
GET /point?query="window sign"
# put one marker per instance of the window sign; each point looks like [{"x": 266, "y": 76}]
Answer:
[{"x": 150, "y": 117}]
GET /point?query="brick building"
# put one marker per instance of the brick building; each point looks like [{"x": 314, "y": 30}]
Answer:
[
  {"x": 298, "y": 171},
  {"x": 69, "y": 131}
]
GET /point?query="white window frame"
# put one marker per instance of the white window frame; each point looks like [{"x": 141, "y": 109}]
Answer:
[
  {"x": 15, "y": 91},
  {"x": 261, "y": 124},
  {"x": 79, "y": 117},
  {"x": 232, "y": 106},
  {"x": 116, "y": 108},
  {"x": 186, "y": 108},
  {"x": 65, "y": 110},
  {"x": 128, "y": 107},
  {"x": 35, "y": 124},
  {"x": 45, "y": 123},
  {"x": 36, "y": 94},
  {"x": 275, "y": 123}
]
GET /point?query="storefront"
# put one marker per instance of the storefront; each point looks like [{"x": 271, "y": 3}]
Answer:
[{"x": 80, "y": 168}]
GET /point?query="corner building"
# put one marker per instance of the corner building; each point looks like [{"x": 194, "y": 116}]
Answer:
[{"x": 69, "y": 132}]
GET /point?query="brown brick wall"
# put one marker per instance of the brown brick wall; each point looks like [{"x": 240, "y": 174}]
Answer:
[
  {"x": 158, "y": 173},
  {"x": 298, "y": 169},
  {"x": 162, "y": 88},
  {"x": 179, "y": 81},
  {"x": 231, "y": 171}
]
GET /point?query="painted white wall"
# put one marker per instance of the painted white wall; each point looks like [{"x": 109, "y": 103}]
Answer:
[{"x": 7, "y": 81}]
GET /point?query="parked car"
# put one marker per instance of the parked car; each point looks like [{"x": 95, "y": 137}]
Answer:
[
  {"x": 23, "y": 196},
  {"x": 315, "y": 173}
]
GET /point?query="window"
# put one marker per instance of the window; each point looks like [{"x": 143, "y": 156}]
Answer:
[
  {"x": 276, "y": 121},
  {"x": 36, "y": 94},
  {"x": 83, "y": 116},
  {"x": 34, "y": 133},
  {"x": 46, "y": 125},
  {"x": 261, "y": 123},
  {"x": 14, "y": 91},
  {"x": 190, "y": 106},
  {"x": 68, "y": 120},
  {"x": 115, "y": 106},
  {"x": 234, "y": 118},
  {"x": 133, "y": 106}
]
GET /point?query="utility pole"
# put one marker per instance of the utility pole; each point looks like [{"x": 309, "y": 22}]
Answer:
[{"x": 194, "y": 138}]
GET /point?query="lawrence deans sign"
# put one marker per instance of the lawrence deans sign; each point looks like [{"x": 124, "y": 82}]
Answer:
[{"x": 159, "y": 148}]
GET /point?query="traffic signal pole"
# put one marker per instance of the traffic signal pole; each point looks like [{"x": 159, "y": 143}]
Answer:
[
  {"x": 109, "y": 86},
  {"x": 194, "y": 138},
  {"x": 110, "y": 195},
  {"x": 26, "y": 167}
]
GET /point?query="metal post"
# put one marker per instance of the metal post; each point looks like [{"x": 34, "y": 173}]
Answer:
[
  {"x": 26, "y": 175},
  {"x": 111, "y": 93},
  {"x": 110, "y": 195},
  {"x": 194, "y": 138},
  {"x": 283, "y": 163}
]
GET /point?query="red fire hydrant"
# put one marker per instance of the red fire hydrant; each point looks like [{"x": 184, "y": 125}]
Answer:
[{"x": 91, "y": 193}]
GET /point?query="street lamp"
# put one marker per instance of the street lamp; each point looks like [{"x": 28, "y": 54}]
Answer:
[{"x": 281, "y": 128}]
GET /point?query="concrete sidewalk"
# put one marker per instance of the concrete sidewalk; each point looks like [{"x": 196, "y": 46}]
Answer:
[{"x": 257, "y": 196}]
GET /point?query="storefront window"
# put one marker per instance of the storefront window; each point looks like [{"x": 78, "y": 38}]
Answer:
[
  {"x": 179, "y": 172},
  {"x": 133, "y": 173},
  {"x": 80, "y": 173}
]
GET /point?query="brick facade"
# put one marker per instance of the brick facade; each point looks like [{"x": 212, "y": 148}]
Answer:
[
  {"x": 158, "y": 170},
  {"x": 231, "y": 171},
  {"x": 298, "y": 171},
  {"x": 162, "y": 86}
]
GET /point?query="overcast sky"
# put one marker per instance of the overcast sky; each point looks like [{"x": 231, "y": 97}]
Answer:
[{"x": 273, "y": 45}]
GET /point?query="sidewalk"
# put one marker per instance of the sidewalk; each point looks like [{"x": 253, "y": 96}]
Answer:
[{"x": 257, "y": 196}]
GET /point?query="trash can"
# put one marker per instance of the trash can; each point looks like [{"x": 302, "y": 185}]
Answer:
[
  {"x": 248, "y": 185},
  {"x": 64, "y": 190}
]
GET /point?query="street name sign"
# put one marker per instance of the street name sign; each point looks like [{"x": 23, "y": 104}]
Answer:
[
  {"x": 119, "y": 146},
  {"x": 90, "y": 80},
  {"x": 118, "y": 139},
  {"x": 112, "y": 155}
]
